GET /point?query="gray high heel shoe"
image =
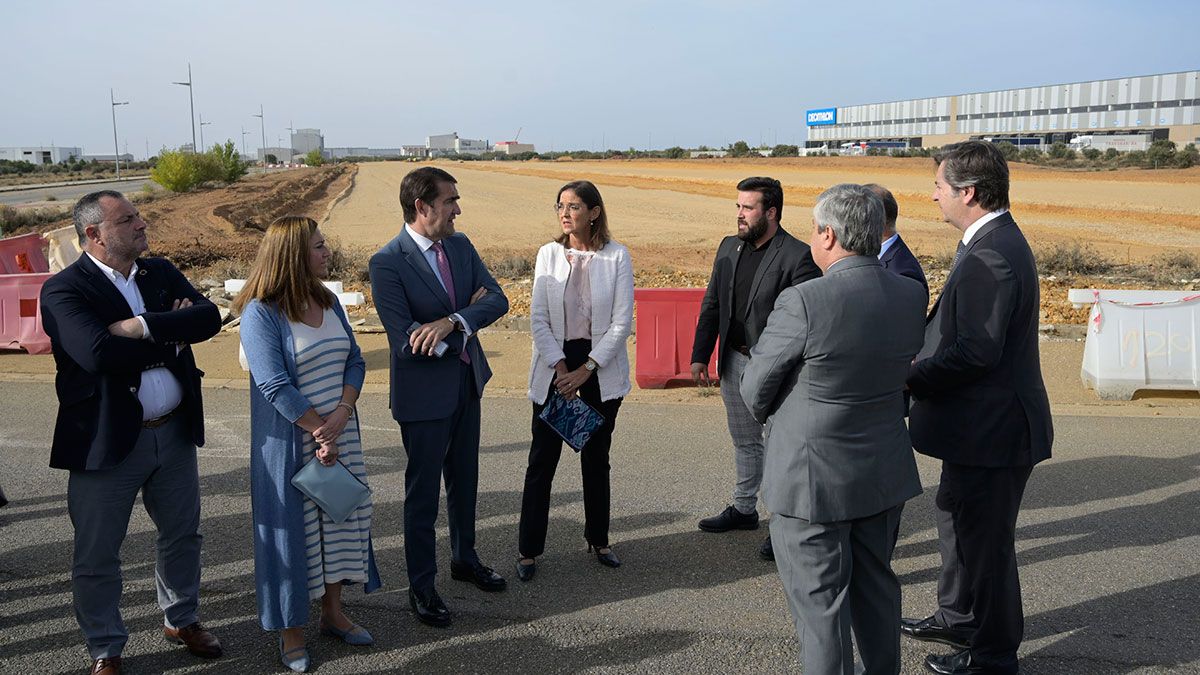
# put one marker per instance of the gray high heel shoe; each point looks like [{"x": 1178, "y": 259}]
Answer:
[{"x": 298, "y": 664}]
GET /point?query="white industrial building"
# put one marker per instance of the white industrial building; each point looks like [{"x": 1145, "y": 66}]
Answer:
[
  {"x": 1159, "y": 106},
  {"x": 305, "y": 141},
  {"x": 41, "y": 154},
  {"x": 449, "y": 144}
]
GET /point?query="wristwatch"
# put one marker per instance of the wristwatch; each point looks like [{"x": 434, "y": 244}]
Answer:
[
  {"x": 591, "y": 365},
  {"x": 455, "y": 323}
]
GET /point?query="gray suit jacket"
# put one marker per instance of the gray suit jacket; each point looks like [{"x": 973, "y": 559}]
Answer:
[{"x": 827, "y": 375}]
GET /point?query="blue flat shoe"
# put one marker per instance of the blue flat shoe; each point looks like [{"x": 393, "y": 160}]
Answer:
[
  {"x": 296, "y": 659},
  {"x": 356, "y": 636}
]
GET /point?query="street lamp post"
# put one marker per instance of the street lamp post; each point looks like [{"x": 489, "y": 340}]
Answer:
[
  {"x": 116, "y": 152},
  {"x": 244, "y": 132},
  {"x": 202, "y": 125},
  {"x": 263, "y": 125},
  {"x": 191, "y": 104}
]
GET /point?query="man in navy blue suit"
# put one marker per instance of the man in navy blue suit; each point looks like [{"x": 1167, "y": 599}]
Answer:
[
  {"x": 129, "y": 420},
  {"x": 893, "y": 253},
  {"x": 433, "y": 294}
]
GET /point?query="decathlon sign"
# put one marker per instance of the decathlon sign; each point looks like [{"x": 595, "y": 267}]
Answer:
[{"x": 822, "y": 117}]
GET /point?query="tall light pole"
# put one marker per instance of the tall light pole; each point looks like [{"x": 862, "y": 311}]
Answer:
[
  {"x": 263, "y": 125},
  {"x": 191, "y": 104},
  {"x": 116, "y": 152},
  {"x": 291, "y": 132},
  {"x": 202, "y": 125},
  {"x": 244, "y": 132}
]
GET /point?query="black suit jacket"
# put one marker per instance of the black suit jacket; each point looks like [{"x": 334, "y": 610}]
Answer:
[
  {"x": 99, "y": 415},
  {"x": 899, "y": 260},
  {"x": 978, "y": 395},
  {"x": 788, "y": 263}
]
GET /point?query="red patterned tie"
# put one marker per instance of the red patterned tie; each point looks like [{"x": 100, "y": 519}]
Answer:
[{"x": 443, "y": 263}]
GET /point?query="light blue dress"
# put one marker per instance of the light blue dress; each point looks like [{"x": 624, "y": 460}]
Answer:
[{"x": 277, "y": 451}]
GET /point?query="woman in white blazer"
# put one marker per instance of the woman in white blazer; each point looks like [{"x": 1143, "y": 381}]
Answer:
[{"x": 582, "y": 313}]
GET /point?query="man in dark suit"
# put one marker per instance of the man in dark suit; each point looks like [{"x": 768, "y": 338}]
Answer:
[
  {"x": 980, "y": 406},
  {"x": 839, "y": 464},
  {"x": 433, "y": 294},
  {"x": 893, "y": 252},
  {"x": 749, "y": 272},
  {"x": 129, "y": 419}
]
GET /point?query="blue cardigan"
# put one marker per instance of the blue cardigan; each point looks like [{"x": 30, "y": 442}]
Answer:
[{"x": 276, "y": 454}]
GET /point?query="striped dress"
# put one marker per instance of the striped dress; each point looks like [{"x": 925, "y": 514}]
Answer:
[{"x": 336, "y": 552}]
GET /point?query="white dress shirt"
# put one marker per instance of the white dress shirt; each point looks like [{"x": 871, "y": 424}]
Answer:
[
  {"x": 426, "y": 246},
  {"x": 160, "y": 392},
  {"x": 970, "y": 231}
]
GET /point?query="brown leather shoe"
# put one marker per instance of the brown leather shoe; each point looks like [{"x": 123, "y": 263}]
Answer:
[
  {"x": 110, "y": 666},
  {"x": 197, "y": 639}
]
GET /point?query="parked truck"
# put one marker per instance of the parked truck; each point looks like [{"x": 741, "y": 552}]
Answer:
[{"x": 1119, "y": 142}]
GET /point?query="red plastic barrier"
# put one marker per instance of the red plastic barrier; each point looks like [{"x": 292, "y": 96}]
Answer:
[
  {"x": 666, "y": 327},
  {"x": 23, "y": 254},
  {"x": 21, "y": 313}
]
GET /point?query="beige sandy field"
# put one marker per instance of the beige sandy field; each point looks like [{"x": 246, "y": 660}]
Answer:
[{"x": 672, "y": 213}]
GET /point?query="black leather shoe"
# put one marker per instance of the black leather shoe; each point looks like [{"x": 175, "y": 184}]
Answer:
[
  {"x": 484, "y": 578},
  {"x": 526, "y": 572},
  {"x": 730, "y": 519},
  {"x": 429, "y": 608},
  {"x": 929, "y": 630},
  {"x": 766, "y": 551},
  {"x": 961, "y": 663},
  {"x": 609, "y": 559}
]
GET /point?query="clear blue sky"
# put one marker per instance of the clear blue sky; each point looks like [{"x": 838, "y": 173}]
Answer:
[{"x": 571, "y": 74}]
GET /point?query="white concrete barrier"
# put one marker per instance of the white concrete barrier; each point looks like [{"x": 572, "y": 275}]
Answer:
[
  {"x": 1139, "y": 339},
  {"x": 63, "y": 246}
]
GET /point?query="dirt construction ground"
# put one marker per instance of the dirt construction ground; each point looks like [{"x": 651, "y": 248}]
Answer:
[{"x": 672, "y": 213}]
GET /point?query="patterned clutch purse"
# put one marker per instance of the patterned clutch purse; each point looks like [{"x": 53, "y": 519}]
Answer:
[{"x": 574, "y": 420}]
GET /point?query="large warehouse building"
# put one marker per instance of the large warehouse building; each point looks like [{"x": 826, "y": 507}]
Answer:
[{"x": 1160, "y": 106}]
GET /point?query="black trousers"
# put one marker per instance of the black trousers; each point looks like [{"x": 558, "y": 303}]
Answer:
[
  {"x": 979, "y": 590},
  {"x": 544, "y": 452}
]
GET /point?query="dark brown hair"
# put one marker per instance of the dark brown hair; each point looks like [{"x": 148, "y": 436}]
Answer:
[
  {"x": 977, "y": 164},
  {"x": 585, "y": 190},
  {"x": 891, "y": 210},
  {"x": 423, "y": 184}
]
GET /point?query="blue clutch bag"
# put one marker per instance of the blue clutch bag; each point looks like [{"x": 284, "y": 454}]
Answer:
[
  {"x": 336, "y": 490},
  {"x": 574, "y": 420}
]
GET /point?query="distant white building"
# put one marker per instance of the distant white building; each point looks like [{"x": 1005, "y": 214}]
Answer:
[
  {"x": 513, "y": 147},
  {"x": 447, "y": 144},
  {"x": 305, "y": 141},
  {"x": 282, "y": 155},
  {"x": 41, "y": 154},
  {"x": 342, "y": 153},
  {"x": 108, "y": 159}
]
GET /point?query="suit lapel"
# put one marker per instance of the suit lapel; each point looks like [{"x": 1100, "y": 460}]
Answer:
[
  {"x": 104, "y": 286},
  {"x": 768, "y": 260},
  {"x": 416, "y": 259},
  {"x": 154, "y": 293},
  {"x": 993, "y": 225},
  {"x": 732, "y": 286}
]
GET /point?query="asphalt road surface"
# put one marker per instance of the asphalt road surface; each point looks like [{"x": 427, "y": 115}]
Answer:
[
  {"x": 1108, "y": 544},
  {"x": 69, "y": 193}
]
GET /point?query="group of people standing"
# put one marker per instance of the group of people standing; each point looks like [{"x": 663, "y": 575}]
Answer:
[{"x": 821, "y": 347}]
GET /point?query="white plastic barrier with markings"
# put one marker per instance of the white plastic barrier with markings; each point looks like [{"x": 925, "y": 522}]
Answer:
[
  {"x": 1139, "y": 340},
  {"x": 63, "y": 246}
]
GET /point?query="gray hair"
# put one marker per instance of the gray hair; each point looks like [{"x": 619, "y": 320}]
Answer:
[
  {"x": 856, "y": 215},
  {"x": 87, "y": 211}
]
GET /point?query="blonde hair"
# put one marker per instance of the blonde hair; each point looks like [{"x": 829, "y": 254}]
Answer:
[{"x": 281, "y": 274}]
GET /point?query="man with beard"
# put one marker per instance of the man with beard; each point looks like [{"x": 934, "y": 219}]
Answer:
[{"x": 750, "y": 271}]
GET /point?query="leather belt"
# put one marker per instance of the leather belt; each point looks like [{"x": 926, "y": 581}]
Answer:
[
  {"x": 743, "y": 350},
  {"x": 158, "y": 421}
]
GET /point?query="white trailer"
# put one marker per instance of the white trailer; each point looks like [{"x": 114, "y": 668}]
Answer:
[{"x": 1119, "y": 142}]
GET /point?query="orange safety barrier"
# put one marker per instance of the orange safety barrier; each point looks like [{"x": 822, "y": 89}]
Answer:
[
  {"x": 23, "y": 254},
  {"x": 21, "y": 313},
  {"x": 666, "y": 327}
]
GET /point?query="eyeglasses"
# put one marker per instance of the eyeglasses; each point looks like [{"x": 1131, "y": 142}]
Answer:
[{"x": 574, "y": 207}]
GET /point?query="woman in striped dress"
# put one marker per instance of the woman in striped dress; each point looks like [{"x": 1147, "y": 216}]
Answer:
[{"x": 306, "y": 372}]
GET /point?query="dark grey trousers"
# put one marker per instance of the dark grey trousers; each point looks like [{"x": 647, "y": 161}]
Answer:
[
  {"x": 838, "y": 578},
  {"x": 163, "y": 468}
]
